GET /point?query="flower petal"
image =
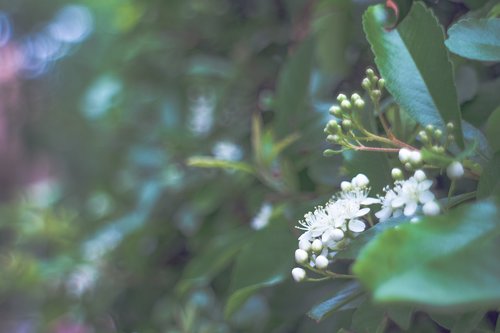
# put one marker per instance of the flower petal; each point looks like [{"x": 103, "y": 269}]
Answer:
[
  {"x": 356, "y": 226},
  {"x": 411, "y": 208},
  {"x": 362, "y": 212},
  {"x": 426, "y": 196},
  {"x": 370, "y": 201}
]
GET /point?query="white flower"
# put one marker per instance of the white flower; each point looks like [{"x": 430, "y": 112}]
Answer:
[
  {"x": 263, "y": 216},
  {"x": 298, "y": 274},
  {"x": 455, "y": 170},
  {"x": 404, "y": 155},
  {"x": 406, "y": 196},
  {"x": 304, "y": 245}
]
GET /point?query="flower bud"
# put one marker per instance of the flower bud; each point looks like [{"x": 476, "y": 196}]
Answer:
[
  {"x": 438, "y": 134},
  {"x": 360, "y": 181},
  {"x": 298, "y": 274},
  {"x": 304, "y": 245},
  {"x": 423, "y": 136},
  {"x": 332, "y": 127},
  {"x": 359, "y": 104},
  {"x": 450, "y": 126},
  {"x": 345, "y": 186},
  {"x": 301, "y": 256},
  {"x": 431, "y": 208},
  {"x": 317, "y": 245},
  {"x": 366, "y": 84},
  {"x": 404, "y": 155},
  {"x": 415, "y": 157},
  {"x": 397, "y": 174},
  {"x": 321, "y": 262},
  {"x": 345, "y": 105},
  {"x": 381, "y": 84},
  {"x": 341, "y": 98},
  {"x": 420, "y": 175},
  {"x": 451, "y": 137},
  {"x": 408, "y": 166},
  {"x": 337, "y": 235},
  {"x": 370, "y": 73},
  {"x": 375, "y": 94},
  {"x": 346, "y": 124},
  {"x": 429, "y": 129},
  {"x": 333, "y": 138},
  {"x": 455, "y": 170},
  {"x": 336, "y": 111}
]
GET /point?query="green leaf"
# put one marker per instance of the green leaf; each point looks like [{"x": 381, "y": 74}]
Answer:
[
  {"x": 442, "y": 261},
  {"x": 368, "y": 318},
  {"x": 293, "y": 89},
  {"x": 209, "y": 162},
  {"x": 489, "y": 181},
  {"x": 217, "y": 255},
  {"x": 466, "y": 323},
  {"x": 266, "y": 260},
  {"x": 486, "y": 101},
  {"x": 349, "y": 297},
  {"x": 401, "y": 315},
  {"x": 476, "y": 39},
  {"x": 491, "y": 130},
  {"x": 415, "y": 64},
  {"x": 353, "y": 249}
]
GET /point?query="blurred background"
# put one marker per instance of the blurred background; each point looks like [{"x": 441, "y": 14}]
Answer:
[{"x": 104, "y": 227}]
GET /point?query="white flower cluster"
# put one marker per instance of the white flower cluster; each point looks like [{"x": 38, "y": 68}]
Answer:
[
  {"x": 406, "y": 196},
  {"x": 328, "y": 227}
]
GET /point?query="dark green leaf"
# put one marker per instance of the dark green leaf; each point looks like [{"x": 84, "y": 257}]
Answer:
[
  {"x": 415, "y": 64},
  {"x": 367, "y": 318},
  {"x": 348, "y": 297},
  {"x": 492, "y": 130},
  {"x": 430, "y": 263},
  {"x": 467, "y": 322},
  {"x": 401, "y": 315},
  {"x": 489, "y": 181},
  {"x": 475, "y": 39},
  {"x": 486, "y": 101},
  {"x": 293, "y": 89},
  {"x": 265, "y": 260},
  {"x": 218, "y": 253}
]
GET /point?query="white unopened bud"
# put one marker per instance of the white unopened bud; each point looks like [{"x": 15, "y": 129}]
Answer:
[
  {"x": 415, "y": 157},
  {"x": 396, "y": 174},
  {"x": 345, "y": 104},
  {"x": 455, "y": 170},
  {"x": 346, "y": 186},
  {"x": 304, "y": 245},
  {"x": 360, "y": 181},
  {"x": 359, "y": 103},
  {"x": 420, "y": 175},
  {"x": 404, "y": 155},
  {"x": 321, "y": 262},
  {"x": 299, "y": 274},
  {"x": 336, "y": 235},
  {"x": 301, "y": 256},
  {"x": 431, "y": 208},
  {"x": 317, "y": 245}
]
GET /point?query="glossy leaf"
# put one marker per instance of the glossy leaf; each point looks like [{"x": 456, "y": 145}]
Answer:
[
  {"x": 476, "y": 39},
  {"x": 348, "y": 297},
  {"x": 429, "y": 263},
  {"x": 415, "y": 64}
]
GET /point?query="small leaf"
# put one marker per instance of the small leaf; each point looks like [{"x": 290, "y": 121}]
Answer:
[
  {"x": 476, "y": 39},
  {"x": 210, "y": 162},
  {"x": 347, "y": 298},
  {"x": 415, "y": 65},
  {"x": 442, "y": 261}
]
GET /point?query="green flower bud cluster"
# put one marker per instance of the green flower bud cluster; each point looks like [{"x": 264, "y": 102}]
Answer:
[
  {"x": 340, "y": 130},
  {"x": 373, "y": 85},
  {"x": 435, "y": 139}
]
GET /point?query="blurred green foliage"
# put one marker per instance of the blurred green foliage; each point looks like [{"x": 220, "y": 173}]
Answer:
[{"x": 105, "y": 109}]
